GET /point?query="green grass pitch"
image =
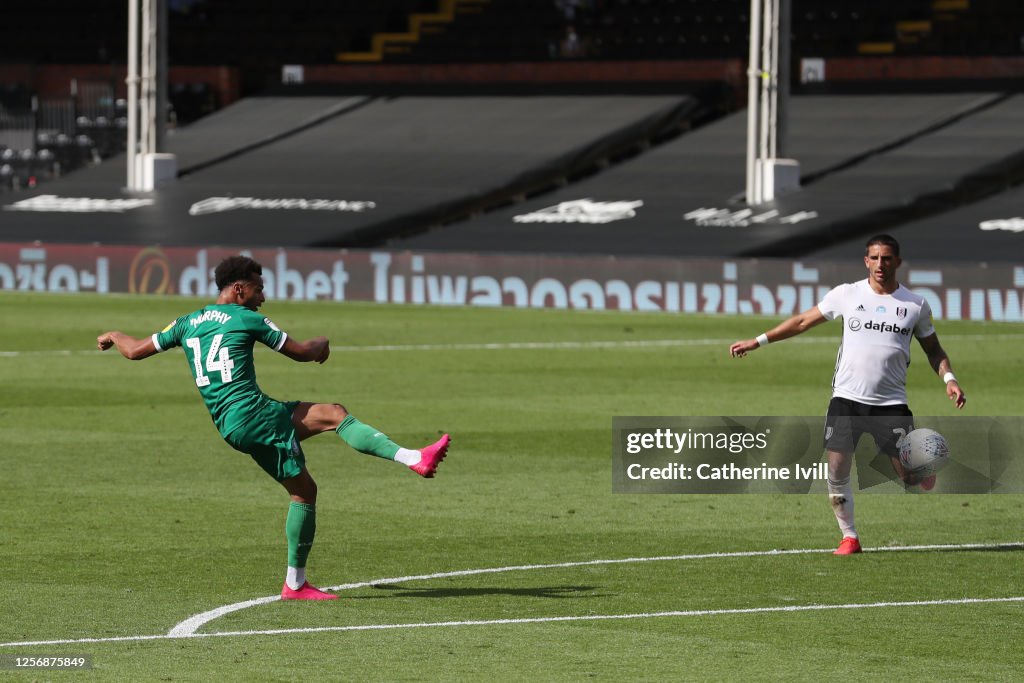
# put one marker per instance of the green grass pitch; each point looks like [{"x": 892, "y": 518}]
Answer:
[{"x": 124, "y": 513}]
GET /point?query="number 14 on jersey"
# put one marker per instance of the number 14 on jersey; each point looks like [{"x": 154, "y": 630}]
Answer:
[{"x": 218, "y": 359}]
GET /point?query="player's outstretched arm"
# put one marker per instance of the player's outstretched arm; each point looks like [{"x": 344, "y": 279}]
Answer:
[
  {"x": 315, "y": 350},
  {"x": 939, "y": 361},
  {"x": 798, "y": 324},
  {"x": 130, "y": 347}
]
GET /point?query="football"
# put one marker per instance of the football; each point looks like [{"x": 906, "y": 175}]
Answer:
[{"x": 923, "y": 451}]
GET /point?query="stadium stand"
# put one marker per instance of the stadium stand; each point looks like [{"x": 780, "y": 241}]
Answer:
[
  {"x": 988, "y": 230},
  {"x": 969, "y": 158},
  {"x": 262, "y": 34},
  {"x": 495, "y": 30},
  {"x": 869, "y": 160},
  {"x": 454, "y": 173},
  {"x": 230, "y": 132},
  {"x": 362, "y": 168},
  {"x": 681, "y": 29},
  {"x": 870, "y": 163},
  {"x": 252, "y": 123}
]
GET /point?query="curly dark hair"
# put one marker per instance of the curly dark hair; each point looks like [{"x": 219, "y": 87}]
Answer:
[{"x": 235, "y": 268}]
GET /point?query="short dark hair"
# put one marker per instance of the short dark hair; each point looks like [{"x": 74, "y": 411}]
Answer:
[
  {"x": 883, "y": 239},
  {"x": 235, "y": 268}
]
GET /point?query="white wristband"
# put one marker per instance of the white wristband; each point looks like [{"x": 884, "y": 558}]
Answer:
[
  {"x": 762, "y": 339},
  {"x": 949, "y": 377}
]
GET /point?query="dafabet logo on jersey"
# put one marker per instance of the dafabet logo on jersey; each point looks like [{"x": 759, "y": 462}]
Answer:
[
  {"x": 856, "y": 325},
  {"x": 886, "y": 327}
]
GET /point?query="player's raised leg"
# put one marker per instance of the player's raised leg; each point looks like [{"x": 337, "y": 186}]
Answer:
[
  {"x": 315, "y": 418},
  {"x": 840, "y": 495}
]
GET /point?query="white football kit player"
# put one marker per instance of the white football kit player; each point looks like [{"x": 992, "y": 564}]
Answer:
[{"x": 871, "y": 367}]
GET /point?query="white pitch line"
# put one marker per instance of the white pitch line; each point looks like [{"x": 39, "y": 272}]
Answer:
[
  {"x": 529, "y": 620},
  {"x": 188, "y": 628},
  {"x": 540, "y": 346},
  {"x": 624, "y": 344},
  {"x": 194, "y": 623}
]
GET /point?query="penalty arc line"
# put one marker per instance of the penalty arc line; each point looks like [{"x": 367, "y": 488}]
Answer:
[{"x": 532, "y": 620}]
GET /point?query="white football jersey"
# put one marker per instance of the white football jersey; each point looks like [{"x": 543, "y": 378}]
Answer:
[{"x": 873, "y": 357}]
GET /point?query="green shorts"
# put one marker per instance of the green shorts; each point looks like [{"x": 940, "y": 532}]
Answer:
[{"x": 269, "y": 437}]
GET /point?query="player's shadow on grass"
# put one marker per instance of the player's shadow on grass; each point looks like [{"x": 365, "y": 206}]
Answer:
[{"x": 557, "y": 592}]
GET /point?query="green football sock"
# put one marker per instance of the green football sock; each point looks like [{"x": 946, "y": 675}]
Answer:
[
  {"x": 366, "y": 439},
  {"x": 299, "y": 529}
]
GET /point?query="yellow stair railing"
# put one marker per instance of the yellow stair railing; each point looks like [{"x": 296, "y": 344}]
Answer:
[{"x": 419, "y": 24}]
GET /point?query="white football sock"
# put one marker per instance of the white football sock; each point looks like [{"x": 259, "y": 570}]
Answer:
[
  {"x": 840, "y": 494},
  {"x": 296, "y": 577},
  {"x": 408, "y": 457}
]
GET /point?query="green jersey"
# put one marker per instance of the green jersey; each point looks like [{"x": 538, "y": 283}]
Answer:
[{"x": 218, "y": 341}]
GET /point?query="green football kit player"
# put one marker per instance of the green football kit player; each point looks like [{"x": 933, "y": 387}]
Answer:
[{"x": 218, "y": 341}]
